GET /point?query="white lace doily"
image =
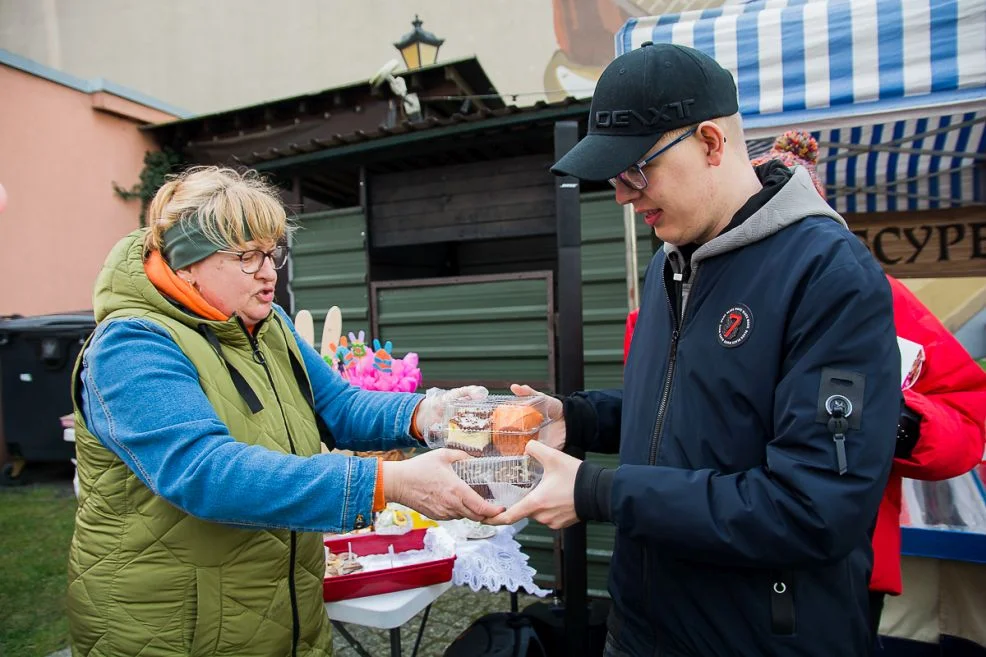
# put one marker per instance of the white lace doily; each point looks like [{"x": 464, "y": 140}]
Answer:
[{"x": 492, "y": 563}]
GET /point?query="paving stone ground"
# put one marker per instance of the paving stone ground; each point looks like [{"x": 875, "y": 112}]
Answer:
[{"x": 450, "y": 615}]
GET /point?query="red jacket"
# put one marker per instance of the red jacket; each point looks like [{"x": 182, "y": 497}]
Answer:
[{"x": 950, "y": 395}]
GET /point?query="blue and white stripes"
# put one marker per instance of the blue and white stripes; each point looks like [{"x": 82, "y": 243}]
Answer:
[
  {"x": 894, "y": 90},
  {"x": 789, "y": 55},
  {"x": 909, "y": 164}
]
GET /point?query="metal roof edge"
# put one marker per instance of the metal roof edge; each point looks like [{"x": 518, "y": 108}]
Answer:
[
  {"x": 568, "y": 111},
  {"x": 95, "y": 85},
  {"x": 109, "y": 86}
]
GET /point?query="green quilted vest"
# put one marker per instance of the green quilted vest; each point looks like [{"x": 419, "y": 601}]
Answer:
[{"x": 147, "y": 579}]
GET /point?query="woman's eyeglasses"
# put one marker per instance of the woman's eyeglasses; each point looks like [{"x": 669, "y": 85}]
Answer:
[
  {"x": 252, "y": 261},
  {"x": 634, "y": 177}
]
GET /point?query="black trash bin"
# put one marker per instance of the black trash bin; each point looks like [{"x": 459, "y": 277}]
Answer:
[{"x": 37, "y": 355}]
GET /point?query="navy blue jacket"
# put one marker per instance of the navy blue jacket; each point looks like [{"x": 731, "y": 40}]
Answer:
[{"x": 742, "y": 522}]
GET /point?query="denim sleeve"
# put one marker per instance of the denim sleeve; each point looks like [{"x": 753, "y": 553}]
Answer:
[
  {"x": 141, "y": 397},
  {"x": 359, "y": 419}
]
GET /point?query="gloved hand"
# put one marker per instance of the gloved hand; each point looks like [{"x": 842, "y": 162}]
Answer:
[
  {"x": 553, "y": 433},
  {"x": 430, "y": 421}
]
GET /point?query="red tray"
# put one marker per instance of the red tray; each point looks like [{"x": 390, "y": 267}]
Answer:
[{"x": 359, "y": 584}]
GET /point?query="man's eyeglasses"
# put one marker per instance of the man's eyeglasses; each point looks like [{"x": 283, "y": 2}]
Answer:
[
  {"x": 252, "y": 261},
  {"x": 634, "y": 177}
]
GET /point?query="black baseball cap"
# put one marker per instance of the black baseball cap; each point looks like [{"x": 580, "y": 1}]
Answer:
[{"x": 641, "y": 95}]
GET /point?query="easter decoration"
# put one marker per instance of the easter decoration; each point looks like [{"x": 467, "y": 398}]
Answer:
[
  {"x": 376, "y": 368},
  {"x": 305, "y": 326}
]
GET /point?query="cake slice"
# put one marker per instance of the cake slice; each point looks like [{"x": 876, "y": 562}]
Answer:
[{"x": 469, "y": 429}]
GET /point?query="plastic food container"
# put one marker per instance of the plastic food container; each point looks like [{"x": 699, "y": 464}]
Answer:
[
  {"x": 503, "y": 480},
  {"x": 499, "y": 425},
  {"x": 375, "y": 582}
]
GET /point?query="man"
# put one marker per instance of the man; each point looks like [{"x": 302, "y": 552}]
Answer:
[{"x": 757, "y": 421}]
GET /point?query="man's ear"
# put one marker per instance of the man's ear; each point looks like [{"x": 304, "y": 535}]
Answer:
[
  {"x": 713, "y": 140},
  {"x": 186, "y": 275}
]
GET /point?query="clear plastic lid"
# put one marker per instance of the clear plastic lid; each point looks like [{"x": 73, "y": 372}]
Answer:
[
  {"x": 503, "y": 480},
  {"x": 498, "y": 425}
]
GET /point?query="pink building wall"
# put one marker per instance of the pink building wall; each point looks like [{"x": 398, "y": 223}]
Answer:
[{"x": 61, "y": 150}]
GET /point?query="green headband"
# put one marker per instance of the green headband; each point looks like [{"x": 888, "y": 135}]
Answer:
[{"x": 185, "y": 244}]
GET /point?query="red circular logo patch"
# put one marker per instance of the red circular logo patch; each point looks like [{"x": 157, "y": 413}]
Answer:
[{"x": 735, "y": 326}]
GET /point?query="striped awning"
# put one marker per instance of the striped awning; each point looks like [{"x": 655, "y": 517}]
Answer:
[{"x": 894, "y": 90}]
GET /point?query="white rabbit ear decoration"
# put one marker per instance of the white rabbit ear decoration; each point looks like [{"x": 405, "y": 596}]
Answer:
[
  {"x": 331, "y": 331},
  {"x": 305, "y": 326}
]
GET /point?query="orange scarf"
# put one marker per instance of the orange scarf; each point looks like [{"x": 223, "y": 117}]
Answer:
[{"x": 170, "y": 285}]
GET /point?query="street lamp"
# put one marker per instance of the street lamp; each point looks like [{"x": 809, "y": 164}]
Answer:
[{"x": 419, "y": 47}]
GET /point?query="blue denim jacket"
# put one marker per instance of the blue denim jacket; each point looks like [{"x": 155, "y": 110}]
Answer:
[{"x": 141, "y": 397}]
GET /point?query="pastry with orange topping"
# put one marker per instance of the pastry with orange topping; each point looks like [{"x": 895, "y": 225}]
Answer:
[{"x": 513, "y": 426}]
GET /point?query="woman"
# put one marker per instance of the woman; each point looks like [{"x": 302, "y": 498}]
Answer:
[{"x": 199, "y": 414}]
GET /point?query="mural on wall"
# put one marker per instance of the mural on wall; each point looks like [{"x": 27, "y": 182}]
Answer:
[{"x": 584, "y": 32}]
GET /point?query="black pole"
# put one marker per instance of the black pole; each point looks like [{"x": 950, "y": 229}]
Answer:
[
  {"x": 283, "y": 293},
  {"x": 570, "y": 375}
]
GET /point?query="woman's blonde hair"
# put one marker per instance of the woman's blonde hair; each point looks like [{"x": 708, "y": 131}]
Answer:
[{"x": 231, "y": 208}]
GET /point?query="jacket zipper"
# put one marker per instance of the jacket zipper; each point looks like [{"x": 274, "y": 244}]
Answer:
[
  {"x": 662, "y": 408},
  {"x": 258, "y": 356},
  {"x": 655, "y": 442}
]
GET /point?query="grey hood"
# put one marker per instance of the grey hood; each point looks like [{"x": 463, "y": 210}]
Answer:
[{"x": 796, "y": 200}]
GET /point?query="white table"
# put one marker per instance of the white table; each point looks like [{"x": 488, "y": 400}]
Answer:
[
  {"x": 392, "y": 610},
  {"x": 388, "y": 611}
]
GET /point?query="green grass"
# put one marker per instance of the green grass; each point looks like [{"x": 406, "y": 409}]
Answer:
[{"x": 35, "y": 530}]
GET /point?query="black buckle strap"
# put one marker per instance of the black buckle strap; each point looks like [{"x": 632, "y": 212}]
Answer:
[
  {"x": 839, "y": 408},
  {"x": 782, "y": 617},
  {"x": 325, "y": 434},
  {"x": 301, "y": 376},
  {"x": 246, "y": 392}
]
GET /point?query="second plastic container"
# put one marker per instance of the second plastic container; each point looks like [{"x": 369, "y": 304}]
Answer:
[{"x": 503, "y": 480}]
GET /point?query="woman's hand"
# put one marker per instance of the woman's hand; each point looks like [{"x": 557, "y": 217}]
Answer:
[
  {"x": 428, "y": 485},
  {"x": 430, "y": 418}
]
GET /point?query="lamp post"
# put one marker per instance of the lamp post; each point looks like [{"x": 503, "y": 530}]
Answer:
[{"x": 419, "y": 47}]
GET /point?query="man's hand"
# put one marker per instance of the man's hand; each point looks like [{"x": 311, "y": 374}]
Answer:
[
  {"x": 553, "y": 434},
  {"x": 552, "y": 502},
  {"x": 428, "y": 485}
]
